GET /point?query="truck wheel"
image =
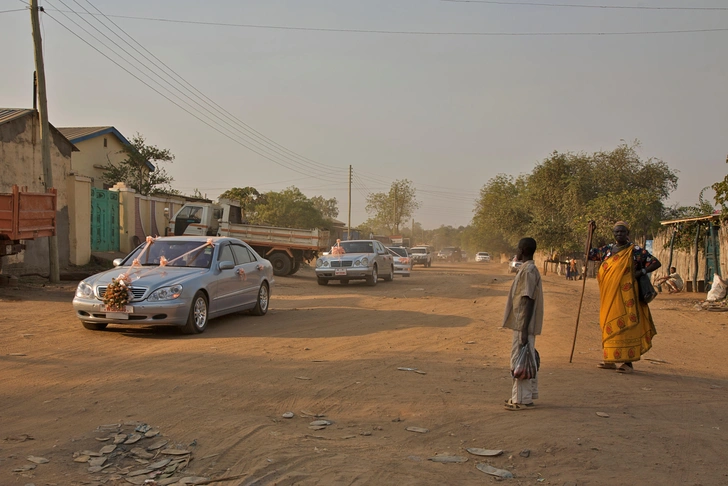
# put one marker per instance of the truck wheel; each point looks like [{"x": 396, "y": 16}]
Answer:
[
  {"x": 93, "y": 326},
  {"x": 322, "y": 281},
  {"x": 197, "y": 318},
  {"x": 281, "y": 264},
  {"x": 295, "y": 268},
  {"x": 372, "y": 279}
]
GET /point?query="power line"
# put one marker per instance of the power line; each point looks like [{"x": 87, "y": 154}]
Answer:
[
  {"x": 581, "y": 5},
  {"x": 415, "y": 32},
  {"x": 205, "y": 107},
  {"x": 13, "y": 10},
  {"x": 191, "y": 113},
  {"x": 200, "y": 95}
]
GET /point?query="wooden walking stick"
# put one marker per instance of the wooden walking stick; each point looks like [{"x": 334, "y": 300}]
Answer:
[{"x": 590, "y": 232}]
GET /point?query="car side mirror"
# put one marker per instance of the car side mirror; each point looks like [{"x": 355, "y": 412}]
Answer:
[
  {"x": 226, "y": 265},
  {"x": 117, "y": 261}
]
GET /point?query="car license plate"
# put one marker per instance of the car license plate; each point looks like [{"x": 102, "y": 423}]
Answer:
[
  {"x": 340, "y": 271},
  {"x": 119, "y": 313}
]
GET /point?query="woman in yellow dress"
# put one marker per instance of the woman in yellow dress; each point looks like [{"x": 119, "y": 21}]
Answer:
[{"x": 626, "y": 322}]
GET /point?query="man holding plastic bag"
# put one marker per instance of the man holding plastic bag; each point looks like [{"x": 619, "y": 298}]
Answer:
[{"x": 524, "y": 315}]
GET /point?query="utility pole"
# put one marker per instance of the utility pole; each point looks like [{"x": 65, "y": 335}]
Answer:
[
  {"x": 395, "y": 225},
  {"x": 45, "y": 135},
  {"x": 348, "y": 224}
]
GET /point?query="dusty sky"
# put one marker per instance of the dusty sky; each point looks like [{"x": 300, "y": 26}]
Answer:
[{"x": 445, "y": 111}]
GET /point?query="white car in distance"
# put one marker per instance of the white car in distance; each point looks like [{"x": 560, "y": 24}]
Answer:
[{"x": 482, "y": 256}]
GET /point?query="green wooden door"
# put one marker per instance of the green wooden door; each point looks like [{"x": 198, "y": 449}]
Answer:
[
  {"x": 104, "y": 220},
  {"x": 712, "y": 255}
]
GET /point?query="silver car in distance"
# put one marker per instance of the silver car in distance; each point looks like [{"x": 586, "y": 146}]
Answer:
[
  {"x": 180, "y": 281},
  {"x": 360, "y": 259}
]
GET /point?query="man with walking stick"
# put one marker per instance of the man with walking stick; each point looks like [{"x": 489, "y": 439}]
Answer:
[{"x": 524, "y": 315}]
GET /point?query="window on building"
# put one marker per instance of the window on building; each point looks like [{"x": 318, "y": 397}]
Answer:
[{"x": 104, "y": 141}]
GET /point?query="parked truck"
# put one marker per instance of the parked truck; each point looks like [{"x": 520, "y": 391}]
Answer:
[
  {"x": 25, "y": 216},
  {"x": 285, "y": 248}
]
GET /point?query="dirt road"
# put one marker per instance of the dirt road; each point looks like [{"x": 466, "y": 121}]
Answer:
[{"x": 335, "y": 351}]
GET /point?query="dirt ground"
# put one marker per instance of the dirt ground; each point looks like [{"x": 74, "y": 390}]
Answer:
[{"x": 335, "y": 351}]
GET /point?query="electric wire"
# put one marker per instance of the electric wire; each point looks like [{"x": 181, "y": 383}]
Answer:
[
  {"x": 13, "y": 10},
  {"x": 200, "y": 95},
  {"x": 235, "y": 140},
  {"x": 581, "y": 5},
  {"x": 182, "y": 97},
  {"x": 423, "y": 33}
]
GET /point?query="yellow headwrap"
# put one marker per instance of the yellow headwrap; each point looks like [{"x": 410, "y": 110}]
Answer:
[{"x": 621, "y": 223}]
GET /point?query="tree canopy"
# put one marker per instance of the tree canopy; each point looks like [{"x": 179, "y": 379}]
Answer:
[
  {"x": 554, "y": 203},
  {"x": 248, "y": 197},
  {"x": 134, "y": 171},
  {"x": 289, "y": 208},
  {"x": 391, "y": 209}
]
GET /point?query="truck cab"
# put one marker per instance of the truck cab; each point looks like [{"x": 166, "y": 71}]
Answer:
[{"x": 197, "y": 219}]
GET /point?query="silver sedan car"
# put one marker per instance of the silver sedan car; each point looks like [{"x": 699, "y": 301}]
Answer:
[
  {"x": 402, "y": 260},
  {"x": 179, "y": 281},
  {"x": 358, "y": 259}
]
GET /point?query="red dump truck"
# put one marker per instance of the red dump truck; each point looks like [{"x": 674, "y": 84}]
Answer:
[{"x": 25, "y": 216}]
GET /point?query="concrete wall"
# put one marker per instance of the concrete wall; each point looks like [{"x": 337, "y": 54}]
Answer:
[
  {"x": 79, "y": 206},
  {"x": 20, "y": 160},
  {"x": 143, "y": 216},
  {"x": 92, "y": 155}
]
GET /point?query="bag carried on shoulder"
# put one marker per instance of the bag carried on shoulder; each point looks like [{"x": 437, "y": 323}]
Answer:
[
  {"x": 525, "y": 366},
  {"x": 646, "y": 290}
]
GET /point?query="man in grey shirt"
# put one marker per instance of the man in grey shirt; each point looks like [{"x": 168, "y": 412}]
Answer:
[{"x": 524, "y": 315}]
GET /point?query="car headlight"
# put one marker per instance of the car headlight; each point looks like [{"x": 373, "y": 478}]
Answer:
[
  {"x": 165, "y": 293},
  {"x": 319, "y": 262},
  {"x": 326, "y": 263},
  {"x": 84, "y": 291}
]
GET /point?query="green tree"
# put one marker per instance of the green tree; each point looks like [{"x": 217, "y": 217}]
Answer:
[
  {"x": 248, "y": 197},
  {"x": 554, "y": 203},
  {"x": 391, "y": 209},
  {"x": 501, "y": 216},
  {"x": 328, "y": 207},
  {"x": 134, "y": 170},
  {"x": 289, "y": 208},
  {"x": 721, "y": 191}
]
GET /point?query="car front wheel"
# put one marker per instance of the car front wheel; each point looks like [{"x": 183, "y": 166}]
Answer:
[
  {"x": 197, "y": 318},
  {"x": 322, "y": 281},
  {"x": 372, "y": 279}
]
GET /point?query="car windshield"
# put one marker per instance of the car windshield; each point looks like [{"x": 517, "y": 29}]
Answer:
[
  {"x": 358, "y": 246},
  {"x": 177, "y": 253},
  {"x": 398, "y": 250},
  {"x": 419, "y": 250}
]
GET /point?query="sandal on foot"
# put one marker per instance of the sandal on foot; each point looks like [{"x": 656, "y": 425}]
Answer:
[
  {"x": 514, "y": 407},
  {"x": 625, "y": 369},
  {"x": 607, "y": 366}
]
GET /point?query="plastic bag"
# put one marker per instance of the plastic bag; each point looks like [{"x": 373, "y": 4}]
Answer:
[
  {"x": 717, "y": 289},
  {"x": 525, "y": 365},
  {"x": 647, "y": 292}
]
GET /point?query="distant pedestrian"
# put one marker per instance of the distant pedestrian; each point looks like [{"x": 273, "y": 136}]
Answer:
[
  {"x": 524, "y": 315},
  {"x": 572, "y": 268}
]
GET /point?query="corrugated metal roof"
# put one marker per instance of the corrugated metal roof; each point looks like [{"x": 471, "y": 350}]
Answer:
[
  {"x": 74, "y": 133},
  {"x": 7, "y": 114},
  {"x": 707, "y": 217}
]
